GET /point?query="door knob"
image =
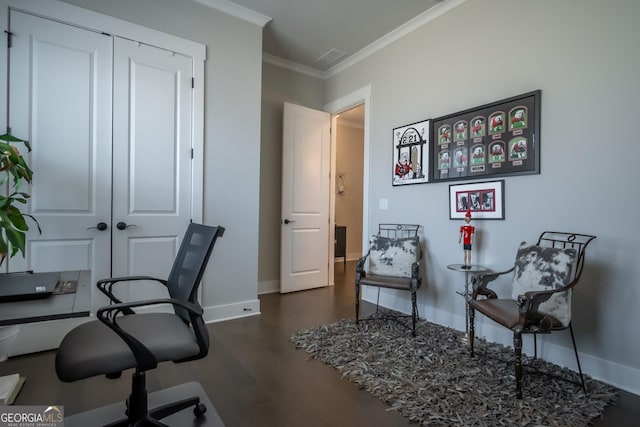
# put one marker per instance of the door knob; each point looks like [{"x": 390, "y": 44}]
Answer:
[
  {"x": 99, "y": 226},
  {"x": 288, "y": 221},
  {"x": 122, "y": 225}
]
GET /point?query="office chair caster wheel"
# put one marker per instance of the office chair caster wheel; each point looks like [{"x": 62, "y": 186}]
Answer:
[{"x": 199, "y": 410}]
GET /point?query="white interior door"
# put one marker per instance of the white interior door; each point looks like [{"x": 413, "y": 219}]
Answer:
[
  {"x": 60, "y": 100},
  {"x": 111, "y": 127},
  {"x": 305, "y": 199},
  {"x": 153, "y": 103}
]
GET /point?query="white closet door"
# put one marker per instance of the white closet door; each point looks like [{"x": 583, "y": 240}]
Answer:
[
  {"x": 60, "y": 100},
  {"x": 152, "y": 141}
]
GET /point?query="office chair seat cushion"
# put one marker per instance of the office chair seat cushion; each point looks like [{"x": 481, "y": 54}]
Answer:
[
  {"x": 393, "y": 256},
  {"x": 544, "y": 268},
  {"x": 94, "y": 349}
]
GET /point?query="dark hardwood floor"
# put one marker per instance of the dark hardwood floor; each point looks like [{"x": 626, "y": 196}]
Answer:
[{"x": 253, "y": 374}]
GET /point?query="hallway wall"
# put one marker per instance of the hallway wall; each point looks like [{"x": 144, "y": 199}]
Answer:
[{"x": 349, "y": 158}]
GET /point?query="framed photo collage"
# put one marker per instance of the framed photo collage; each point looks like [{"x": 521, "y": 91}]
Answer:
[{"x": 497, "y": 139}]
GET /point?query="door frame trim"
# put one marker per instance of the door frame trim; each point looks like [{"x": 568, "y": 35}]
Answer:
[{"x": 360, "y": 96}]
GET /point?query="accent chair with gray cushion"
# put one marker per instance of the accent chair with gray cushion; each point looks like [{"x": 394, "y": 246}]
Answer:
[
  {"x": 394, "y": 263},
  {"x": 544, "y": 275},
  {"x": 123, "y": 338}
]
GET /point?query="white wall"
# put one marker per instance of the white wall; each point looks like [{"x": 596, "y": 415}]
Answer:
[
  {"x": 583, "y": 55},
  {"x": 233, "y": 71}
]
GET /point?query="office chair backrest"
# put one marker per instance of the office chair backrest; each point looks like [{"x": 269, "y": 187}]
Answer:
[{"x": 188, "y": 268}]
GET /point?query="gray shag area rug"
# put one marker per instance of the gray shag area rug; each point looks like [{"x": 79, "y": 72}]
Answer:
[{"x": 432, "y": 380}]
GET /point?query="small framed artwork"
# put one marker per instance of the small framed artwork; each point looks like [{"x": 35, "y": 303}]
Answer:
[
  {"x": 411, "y": 153},
  {"x": 485, "y": 200}
]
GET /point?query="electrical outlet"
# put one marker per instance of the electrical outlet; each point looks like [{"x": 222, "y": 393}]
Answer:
[{"x": 383, "y": 204}]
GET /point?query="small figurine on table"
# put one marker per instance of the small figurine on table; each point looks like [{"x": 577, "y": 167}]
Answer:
[{"x": 466, "y": 236}]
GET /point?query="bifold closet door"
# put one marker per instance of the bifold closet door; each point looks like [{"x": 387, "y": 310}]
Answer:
[
  {"x": 60, "y": 99},
  {"x": 110, "y": 122},
  {"x": 152, "y": 134}
]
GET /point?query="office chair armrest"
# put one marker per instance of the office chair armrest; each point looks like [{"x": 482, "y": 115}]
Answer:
[
  {"x": 106, "y": 285},
  {"x": 144, "y": 358},
  {"x": 481, "y": 281}
]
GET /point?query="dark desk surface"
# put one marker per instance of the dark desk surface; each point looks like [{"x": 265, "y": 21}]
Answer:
[{"x": 57, "y": 306}]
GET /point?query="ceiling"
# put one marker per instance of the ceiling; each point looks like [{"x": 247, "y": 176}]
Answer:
[{"x": 320, "y": 35}]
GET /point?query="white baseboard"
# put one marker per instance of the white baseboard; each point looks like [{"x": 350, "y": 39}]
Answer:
[
  {"x": 621, "y": 376},
  {"x": 219, "y": 313}
]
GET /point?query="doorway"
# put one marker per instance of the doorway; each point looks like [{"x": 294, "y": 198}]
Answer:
[
  {"x": 348, "y": 187},
  {"x": 360, "y": 102}
]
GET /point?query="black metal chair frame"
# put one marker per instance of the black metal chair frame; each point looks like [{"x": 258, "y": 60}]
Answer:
[
  {"x": 395, "y": 231},
  {"x": 531, "y": 321},
  {"x": 182, "y": 284}
]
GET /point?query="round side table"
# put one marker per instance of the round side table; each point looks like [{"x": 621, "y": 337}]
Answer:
[{"x": 466, "y": 269}]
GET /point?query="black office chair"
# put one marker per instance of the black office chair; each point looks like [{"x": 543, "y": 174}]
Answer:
[{"x": 122, "y": 339}]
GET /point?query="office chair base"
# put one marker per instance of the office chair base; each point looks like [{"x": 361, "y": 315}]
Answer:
[{"x": 110, "y": 414}]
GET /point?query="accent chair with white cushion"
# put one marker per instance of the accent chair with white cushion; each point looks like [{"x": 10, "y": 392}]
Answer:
[
  {"x": 544, "y": 275},
  {"x": 394, "y": 263}
]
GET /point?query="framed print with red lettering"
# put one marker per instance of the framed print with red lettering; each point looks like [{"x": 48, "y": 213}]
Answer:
[{"x": 411, "y": 153}]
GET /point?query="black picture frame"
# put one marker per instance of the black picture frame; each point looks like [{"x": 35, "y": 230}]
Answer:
[
  {"x": 497, "y": 139},
  {"x": 411, "y": 150},
  {"x": 483, "y": 200}
]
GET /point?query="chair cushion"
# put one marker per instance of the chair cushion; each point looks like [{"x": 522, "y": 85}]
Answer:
[
  {"x": 503, "y": 311},
  {"x": 541, "y": 269},
  {"x": 403, "y": 283},
  {"x": 94, "y": 349},
  {"x": 393, "y": 256}
]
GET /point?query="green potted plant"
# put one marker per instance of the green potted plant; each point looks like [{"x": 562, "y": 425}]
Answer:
[{"x": 13, "y": 224}]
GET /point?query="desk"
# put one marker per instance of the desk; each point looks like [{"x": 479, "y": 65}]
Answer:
[
  {"x": 53, "y": 307},
  {"x": 466, "y": 294}
]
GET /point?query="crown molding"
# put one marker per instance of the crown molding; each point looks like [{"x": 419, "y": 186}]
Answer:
[
  {"x": 384, "y": 41},
  {"x": 294, "y": 66},
  {"x": 393, "y": 36},
  {"x": 238, "y": 11},
  {"x": 261, "y": 20}
]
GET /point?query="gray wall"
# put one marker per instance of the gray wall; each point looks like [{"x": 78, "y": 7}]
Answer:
[
  {"x": 583, "y": 55},
  {"x": 278, "y": 86},
  {"x": 232, "y": 136},
  {"x": 348, "y": 210}
]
